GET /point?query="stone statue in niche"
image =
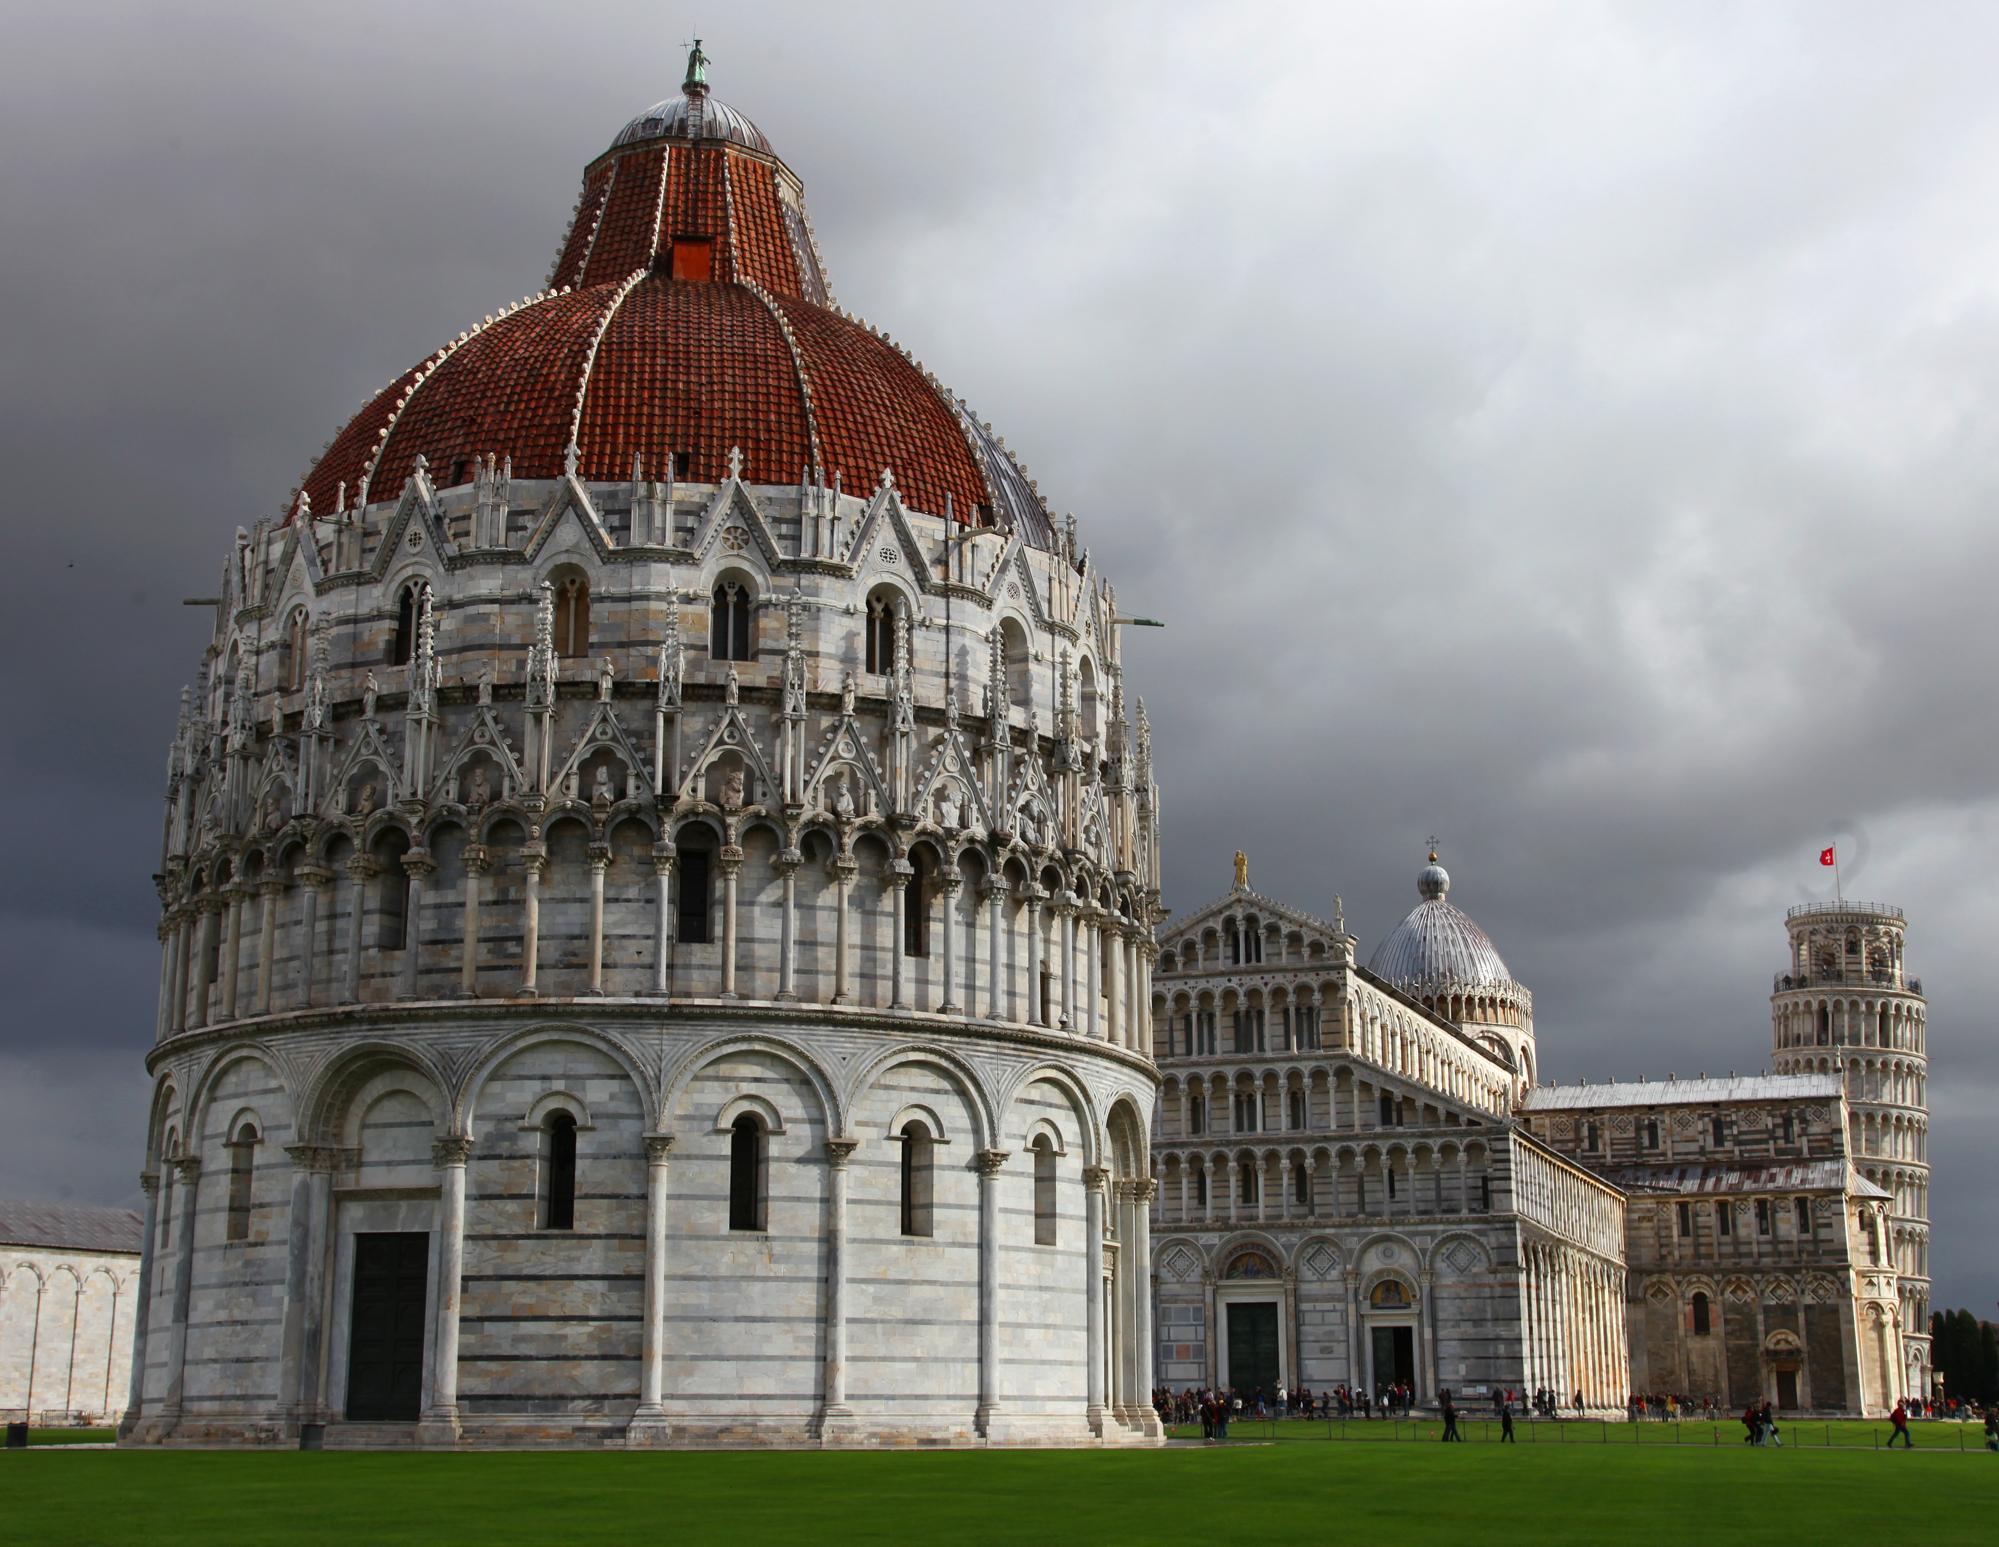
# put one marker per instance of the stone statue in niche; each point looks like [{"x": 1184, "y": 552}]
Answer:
[
  {"x": 847, "y": 693},
  {"x": 950, "y": 807},
  {"x": 368, "y": 692},
  {"x": 843, "y": 795},
  {"x": 602, "y": 792},
  {"x": 272, "y": 816},
  {"x": 364, "y": 803},
  {"x": 486, "y": 683},
  {"x": 606, "y": 673},
  {"x": 277, "y": 717},
  {"x": 732, "y": 789},
  {"x": 480, "y": 795},
  {"x": 1030, "y": 826},
  {"x": 732, "y": 692}
]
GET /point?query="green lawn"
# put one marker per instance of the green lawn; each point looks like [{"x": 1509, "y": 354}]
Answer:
[
  {"x": 1809, "y": 1433},
  {"x": 71, "y": 1436},
  {"x": 1266, "y": 1493}
]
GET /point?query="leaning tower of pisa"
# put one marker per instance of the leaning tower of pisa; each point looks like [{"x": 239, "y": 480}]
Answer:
[{"x": 1846, "y": 1003}]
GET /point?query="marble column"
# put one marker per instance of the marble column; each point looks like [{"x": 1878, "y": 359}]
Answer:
[
  {"x": 476, "y": 863},
  {"x": 992, "y": 1163},
  {"x": 359, "y": 869},
  {"x": 318, "y": 883},
  {"x": 1091, "y": 1021},
  {"x": 600, "y": 862},
  {"x": 187, "y": 1169},
  {"x": 232, "y": 948},
  {"x": 440, "y": 1420},
  {"x": 732, "y": 867},
  {"x": 1094, "y": 1180},
  {"x": 898, "y": 883},
  {"x": 419, "y": 867},
  {"x": 662, "y": 929},
  {"x": 1066, "y": 916},
  {"x": 1144, "y": 1355},
  {"x": 1032, "y": 904},
  {"x": 835, "y": 1413},
  {"x": 142, "y": 1303},
  {"x": 533, "y": 860},
  {"x": 788, "y": 861},
  {"x": 996, "y": 968},
  {"x": 305, "y": 1238},
  {"x": 183, "y": 949},
  {"x": 270, "y": 891},
  {"x": 844, "y": 870},
  {"x": 951, "y": 883},
  {"x": 649, "y": 1423},
  {"x": 210, "y": 914},
  {"x": 1356, "y": 1377}
]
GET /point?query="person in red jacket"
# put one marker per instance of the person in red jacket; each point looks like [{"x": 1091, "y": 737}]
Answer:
[{"x": 1900, "y": 1419}]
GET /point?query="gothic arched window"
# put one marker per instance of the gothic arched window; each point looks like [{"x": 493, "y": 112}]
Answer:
[
  {"x": 558, "y": 1172},
  {"x": 1703, "y": 1320},
  {"x": 572, "y": 615},
  {"x": 881, "y": 631},
  {"x": 1197, "y": 1114},
  {"x": 729, "y": 622},
  {"x": 292, "y": 651},
  {"x": 747, "y": 1160},
  {"x": 242, "y": 1177},
  {"x": 403, "y": 645},
  {"x": 918, "y": 1177},
  {"x": 1044, "y": 1191}
]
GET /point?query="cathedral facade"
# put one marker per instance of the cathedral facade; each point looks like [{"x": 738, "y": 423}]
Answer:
[
  {"x": 657, "y": 892},
  {"x": 1361, "y": 1183}
]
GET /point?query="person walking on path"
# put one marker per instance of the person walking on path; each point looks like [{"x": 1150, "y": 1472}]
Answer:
[
  {"x": 1506, "y": 1423},
  {"x": 1900, "y": 1419},
  {"x": 1450, "y": 1418}
]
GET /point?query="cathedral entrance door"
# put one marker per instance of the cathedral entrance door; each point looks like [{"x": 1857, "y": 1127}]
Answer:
[
  {"x": 385, "y": 1350},
  {"x": 1787, "y": 1390},
  {"x": 1253, "y": 1347},
  {"x": 1394, "y": 1350}
]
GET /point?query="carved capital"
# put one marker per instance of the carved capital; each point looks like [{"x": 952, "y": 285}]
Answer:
[
  {"x": 731, "y": 857},
  {"x": 477, "y": 860},
  {"x": 600, "y": 856},
  {"x": 788, "y": 861},
  {"x": 149, "y": 1183},
  {"x": 188, "y": 1167},
  {"x": 417, "y": 862},
  {"x": 314, "y": 875},
  {"x": 313, "y": 1157},
  {"x": 270, "y": 886},
  {"x": 991, "y": 1162},
  {"x": 950, "y": 881},
  {"x": 1096, "y": 1178},
  {"x": 839, "y": 1151},
  {"x": 659, "y": 1146},
  {"x": 452, "y": 1151},
  {"x": 360, "y": 867},
  {"x": 1145, "y": 1191}
]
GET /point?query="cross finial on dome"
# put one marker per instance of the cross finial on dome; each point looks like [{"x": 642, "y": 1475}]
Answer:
[
  {"x": 696, "y": 84},
  {"x": 1431, "y": 845}
]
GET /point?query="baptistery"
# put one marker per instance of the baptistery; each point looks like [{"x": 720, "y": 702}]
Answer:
[{"x": 657, "y": 892}]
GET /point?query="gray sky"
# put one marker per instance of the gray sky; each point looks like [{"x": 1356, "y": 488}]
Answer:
[{"x": 1562, "y": 428}]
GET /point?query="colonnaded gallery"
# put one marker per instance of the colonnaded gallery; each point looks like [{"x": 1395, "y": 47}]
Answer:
[{"x": 659, "y": 883}]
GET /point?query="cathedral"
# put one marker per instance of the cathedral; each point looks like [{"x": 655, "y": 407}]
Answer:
[
  {"x": 657, "y": 892},
  {"x": 1361, "y": 1183}
]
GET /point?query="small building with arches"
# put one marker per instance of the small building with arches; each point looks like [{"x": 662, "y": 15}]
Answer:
[{"x": 68, "y": 1294}]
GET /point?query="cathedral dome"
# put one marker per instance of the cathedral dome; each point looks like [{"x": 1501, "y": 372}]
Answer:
[
  {"x": 687, "y": 319},
  {"x": 1438, "y": 944}
]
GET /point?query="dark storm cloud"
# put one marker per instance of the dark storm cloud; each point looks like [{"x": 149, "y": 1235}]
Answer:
[{"x": 1566, "y": 431}]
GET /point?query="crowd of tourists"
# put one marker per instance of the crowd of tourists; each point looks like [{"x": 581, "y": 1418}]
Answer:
[{"x": 1215, "y": 1408}]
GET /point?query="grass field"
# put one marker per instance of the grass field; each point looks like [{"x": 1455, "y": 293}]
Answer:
[
  {"x": 1807, "y": 1433},
  {"x": 1266, "y": 1493}
]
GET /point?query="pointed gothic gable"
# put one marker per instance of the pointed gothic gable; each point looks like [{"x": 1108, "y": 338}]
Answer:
[
  {"x": 732, "y": 506},
  {"x": 484, "y": 738},
  {"x": 368, "y": 749},
  {"x": 1032, "y": 810},
  {"x": 732, "y": 736},
  {"x": 418, "y": 507},
  {"x": 273, "y": 787},
  {"x": 299, "y": 566},
  {"x": 604, "y": 732},
  {"x": 996, "y": 571},
  {"x": 1019, "y": 585},
  {"x": 845, "y": 748},
  {"x": 570, "y": 501},
  {"x": 950, "y": 779},
  {"x": 1264, "y": 907},
  {"x": 886, "y": 516}
]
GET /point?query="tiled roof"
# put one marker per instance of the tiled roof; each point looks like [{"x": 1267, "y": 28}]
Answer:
[
  {"x": 1672, "y": 1093},
  {"x": 1743, "y": 1176},
  {"x": 71, "y": 1227},
  {"x": 640, "y": 364}
]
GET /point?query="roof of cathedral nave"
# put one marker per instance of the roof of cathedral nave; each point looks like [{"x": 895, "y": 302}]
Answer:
[
  {"x": 687, "y": 313},
  {"x": 1743, "y": 1176},
  {"x": 1437, "y": 945},
  {"x": 1671, "y": 1092}
]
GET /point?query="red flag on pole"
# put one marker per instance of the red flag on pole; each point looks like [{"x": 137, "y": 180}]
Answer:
[{"x": 1827, "y": 857}]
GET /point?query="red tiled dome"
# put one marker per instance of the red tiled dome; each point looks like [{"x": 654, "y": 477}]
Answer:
[{"x": 687, "y": 316}]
